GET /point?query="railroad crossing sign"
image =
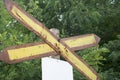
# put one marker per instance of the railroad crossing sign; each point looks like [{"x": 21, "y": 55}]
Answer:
[{"x": 53, "y": 44}]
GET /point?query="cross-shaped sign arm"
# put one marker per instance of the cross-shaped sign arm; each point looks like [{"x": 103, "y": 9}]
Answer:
[
  {"x": 35, "y": 50},
  {"x": 55, "y": 43}
]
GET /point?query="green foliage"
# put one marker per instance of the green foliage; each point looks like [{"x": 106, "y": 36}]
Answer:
[
  {"x": 110, "y": 75},
  {"x": 28, "y": 70},
  {"x": 94, "y": 57},
  {"x": 114, "y": 54},
  {"x": 113, "y": 59},
  {"x": 71, "y": 17}
]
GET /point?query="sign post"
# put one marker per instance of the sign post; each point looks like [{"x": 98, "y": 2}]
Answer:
[
  {"x": 55, "y": 43},
  {"x": 55, "y": 69}
]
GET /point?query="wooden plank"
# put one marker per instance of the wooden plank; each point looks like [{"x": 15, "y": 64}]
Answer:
[
  {"x": 40, "y": 49},
  {"x": 59, "y": 46},
  {"x": 82, "y": 41}
]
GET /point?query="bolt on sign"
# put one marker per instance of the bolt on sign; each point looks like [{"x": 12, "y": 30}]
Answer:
[{"x": 51, "y": 45}]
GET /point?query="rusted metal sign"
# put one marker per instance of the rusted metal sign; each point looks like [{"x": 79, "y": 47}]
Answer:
[{"x": 59, "y": 46}]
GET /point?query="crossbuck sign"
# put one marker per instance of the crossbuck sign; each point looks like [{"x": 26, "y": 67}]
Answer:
[{"x": 51, "y": 45}]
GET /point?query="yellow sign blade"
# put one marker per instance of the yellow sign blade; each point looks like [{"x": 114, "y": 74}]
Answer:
[
  {"x": 81, "y": 42},
  {"x": 59, "y": 46},
  {"x": 37, "y": 50}
]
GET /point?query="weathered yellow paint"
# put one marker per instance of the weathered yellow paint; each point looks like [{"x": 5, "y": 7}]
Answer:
[
  {"x": 65, "y": 52},
  {"x": 29, "y": 51},
  {"x": 79, "y": 64},
  {"x": 81, "y": 41},
  {"x": 43, "y": 48},
  {"x": 36, "y": 27}
]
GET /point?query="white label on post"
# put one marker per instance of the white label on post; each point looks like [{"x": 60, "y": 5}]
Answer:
[{"x": 53, "y": 69}]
